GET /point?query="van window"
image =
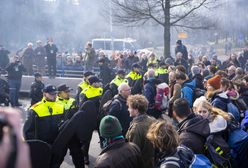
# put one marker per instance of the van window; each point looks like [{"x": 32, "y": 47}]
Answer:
[
  {"x": 105, "y": 45},
  {"x": 118, "y": 45}
]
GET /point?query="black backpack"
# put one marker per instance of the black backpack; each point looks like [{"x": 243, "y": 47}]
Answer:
[{"x": 218, "y": 150}]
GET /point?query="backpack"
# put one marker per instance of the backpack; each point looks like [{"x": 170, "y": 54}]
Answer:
[
  {"x": 106, "y": 107},
  {"x": 197, "y": 92},
  {"x": 233, "y": 110},
  {"x": 185, "y": 158},
  {"x": 238, "y": 142},
  {"x": 217, "y": 150},
  {"x": 187, "y": 92},
  {"x": 161, "y": 98}
]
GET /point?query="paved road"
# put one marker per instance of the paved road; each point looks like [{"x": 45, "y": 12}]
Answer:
[{"x": 94, "y": 146}]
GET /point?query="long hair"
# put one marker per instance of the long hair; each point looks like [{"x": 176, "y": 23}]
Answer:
[
  {"x": 213, "y": 110},
  {"x": 163, "y": 136}
]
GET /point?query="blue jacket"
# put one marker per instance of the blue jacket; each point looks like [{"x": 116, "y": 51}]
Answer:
[{"x": 187, "y": 91}]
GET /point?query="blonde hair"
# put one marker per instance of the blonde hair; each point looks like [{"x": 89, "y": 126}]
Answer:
[
  {"x": 213, "y": 110},
  {"x": 163, "y": 136}
]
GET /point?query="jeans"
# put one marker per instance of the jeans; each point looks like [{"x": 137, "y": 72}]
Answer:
[{"x": 14, "y": 89}]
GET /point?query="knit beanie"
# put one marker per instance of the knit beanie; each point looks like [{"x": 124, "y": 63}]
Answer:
[
  {"x": 110, "y": 127},
  {"x": 214, "y": 82}
]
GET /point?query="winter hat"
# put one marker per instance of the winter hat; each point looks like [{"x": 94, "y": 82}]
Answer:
[
  {"x": 195, "y": 70},
  {"x": 110, "y": 127},
  {"x": 214, "y": 82}
]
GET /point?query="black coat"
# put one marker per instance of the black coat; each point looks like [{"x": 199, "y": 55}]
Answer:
[
  {"x": 120, "y": 154},
  {"x": 119, "y": 109},
  {"x": 198, "y": 81},
  {"x": 15, "y": 70},
  {"x": 182, "y": 49},
  {"x": 4, "y": 58},
  {"x": 80, "y": 127},
  {"x": 51, "y": 51},
  {"x": 36, "y": 93},
  {"x": 193, "y": 132}
]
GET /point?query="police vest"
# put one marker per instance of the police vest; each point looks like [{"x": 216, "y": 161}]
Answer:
[
  {"x": 118, "y": 81},
  {"x": 161, "y": 71},
  {"x": 45, "y": 108},
  {"x": 152, "y": 61},
  {"x": 134, "y": 75},
  {"x": 92, "y": 92},
  {"x": 83, "y": 85},
  {"x": 68, "y": 104}
]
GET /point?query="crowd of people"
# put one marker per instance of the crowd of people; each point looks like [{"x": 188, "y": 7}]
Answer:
[{"x": 148, "y": 113}]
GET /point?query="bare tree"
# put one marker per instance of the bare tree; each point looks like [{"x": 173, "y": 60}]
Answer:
[{"x": 166, "y": 13}]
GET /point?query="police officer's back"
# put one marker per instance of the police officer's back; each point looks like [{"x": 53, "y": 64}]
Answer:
[
  {"x": 117, "y": 81},
  {"x": 44, "y": 117},
  {"x": 36, "y": 89}
]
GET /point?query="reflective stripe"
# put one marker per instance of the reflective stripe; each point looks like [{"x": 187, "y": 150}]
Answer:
[
  {"x": 92, "y": 92},
  {"x": 45, "y": 108},
  {"x": 118, "y": 81},
  {"x": 134, "y": 76}
]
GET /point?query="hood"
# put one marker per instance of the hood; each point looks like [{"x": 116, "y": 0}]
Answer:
[
  {"x": 233, "y": 94},
  {"x": 195, "y": 124},
  {"x": 222, "y": 96},
  {"x": 189, "y": 83},
  {"x": 218, "y": 124}
]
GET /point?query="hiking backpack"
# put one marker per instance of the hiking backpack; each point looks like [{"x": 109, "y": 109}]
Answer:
[
  {"x": 185, "y": 158},
  {"x": 217, "y": 150},
  {"x": 162, "y": 96}
]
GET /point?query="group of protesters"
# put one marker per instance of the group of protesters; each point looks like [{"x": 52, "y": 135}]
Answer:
[{"x": 149, "y": 112}]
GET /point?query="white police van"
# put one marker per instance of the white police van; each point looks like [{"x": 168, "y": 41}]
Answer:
[{"x": 108, "y": 45}]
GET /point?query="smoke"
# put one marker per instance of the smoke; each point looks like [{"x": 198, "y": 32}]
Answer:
[{"x": 72, "y": 23}]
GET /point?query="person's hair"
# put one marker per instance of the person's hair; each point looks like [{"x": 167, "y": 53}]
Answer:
[
  {"x": 245, "y": 78},
  {"x": 163, "y": 136},
  {"x": 221, "y": 73},
  {"x": 181, "y": 68},
  {"x": 138, "y": 102},
  {"x": 181, "y": 108},
  {"x": 213, "y": 110},
  {"x": 239, "y": 71},
  {"x": 225, "y": 82},
  {"x": 181, "y": 76},
  {"x": 212, "y": 69}
]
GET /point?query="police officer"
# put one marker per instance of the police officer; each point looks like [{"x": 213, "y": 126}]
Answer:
[
  {"x": 84, "y": 84},
  {"x": 70, "y": 109},
  {"x": 65, "y": 99},
  {"x": 162, "y": 72},
  {"x": 44, "y": 117},
  {"x": 135, "y": 79},
  {"x": 36, "y": 89},
  {"x": 117, "y": 81},
  {"x": 92, "y": 93}
]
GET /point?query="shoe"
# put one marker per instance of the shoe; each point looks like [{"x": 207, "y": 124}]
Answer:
[{"x": 86, "y": 160}]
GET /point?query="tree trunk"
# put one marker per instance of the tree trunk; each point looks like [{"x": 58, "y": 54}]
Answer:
[{"x": 167, "y": 29}]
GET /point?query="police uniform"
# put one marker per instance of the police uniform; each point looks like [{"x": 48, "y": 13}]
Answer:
[
  {"x": 115, "y": 83},
  {"x": 92, "y": 94},
  {"x": 69, "y": 106},
  {"x": 162, "y": 74},
  {"x": 43, "y": 121},
  {"x": 132, "y": 77}
]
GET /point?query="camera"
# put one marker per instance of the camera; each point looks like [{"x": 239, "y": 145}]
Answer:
[
  {"x": 11, "y": 160},
  {"x": 3, "y": 123}
]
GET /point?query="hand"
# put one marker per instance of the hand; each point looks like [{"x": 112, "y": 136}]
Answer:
[{"x": 14, "y": 119}]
